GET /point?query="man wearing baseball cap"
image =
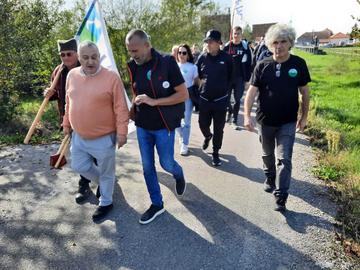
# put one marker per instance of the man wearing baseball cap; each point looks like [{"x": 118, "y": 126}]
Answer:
[{"x": 215, "y": 72}]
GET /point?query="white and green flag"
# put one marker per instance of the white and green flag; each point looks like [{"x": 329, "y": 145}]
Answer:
[{"x": 93, "y": 28}]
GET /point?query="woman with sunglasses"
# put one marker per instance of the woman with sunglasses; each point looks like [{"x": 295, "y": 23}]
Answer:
[{"x": 189, "y": 71}]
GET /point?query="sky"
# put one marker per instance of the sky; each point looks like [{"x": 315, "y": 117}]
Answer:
[{"x": 304, "y": 15}]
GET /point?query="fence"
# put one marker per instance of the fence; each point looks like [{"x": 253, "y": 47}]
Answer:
[
  {"x": 346, "y": 51},
  {"x": 310, "y": 49},
  {"x": 353, "y": 52}
]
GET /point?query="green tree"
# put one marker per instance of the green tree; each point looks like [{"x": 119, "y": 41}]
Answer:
[
  {"x": 8, "y": 97},
  {"x": 28, "y": 53},
  {"x": 247, "y": 32},
  {"x": 355, "y": 31}
]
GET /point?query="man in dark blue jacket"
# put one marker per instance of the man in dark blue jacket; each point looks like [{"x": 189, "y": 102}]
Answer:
[
  {"x": 159, "y": 94},
  {"x": 215, "y": 72},
  {"x": 240, "y": 52}
]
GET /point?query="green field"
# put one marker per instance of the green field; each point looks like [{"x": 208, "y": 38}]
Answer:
[{"x": 334, "y": 127}]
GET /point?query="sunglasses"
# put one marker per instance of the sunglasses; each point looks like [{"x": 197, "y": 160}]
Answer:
[
  {"x": 183, "y": 53},
  {"x": 277, "y": 72},
  {"x": 68, "y": 54}
]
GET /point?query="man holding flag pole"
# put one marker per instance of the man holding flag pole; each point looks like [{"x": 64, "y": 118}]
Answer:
[{"x": 238, "y": 48}]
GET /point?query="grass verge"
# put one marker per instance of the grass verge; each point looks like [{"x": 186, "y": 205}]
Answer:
[
  {"x": 47, "y": 130},
  {"x": 334, "y": 128}
]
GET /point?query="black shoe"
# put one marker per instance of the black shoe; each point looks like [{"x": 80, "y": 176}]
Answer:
[
  {"x": 101, "y": 212},
  {"x": 280, "y": 204},
  {"x": 151, "y": 214},
  {"x": 269, "y": 185},
  {"x": 98, "y": 194},
  {"x": 206, "y": 142},
  {"x": 83, "y": 191},
  {"x": 234, "y": 121},
  {"x": 215, "y": 159},
  {"x": 180, "y": 187}
]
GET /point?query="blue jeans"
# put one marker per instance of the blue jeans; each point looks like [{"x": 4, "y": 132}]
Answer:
[
  {"x": 163, "y": 140},
  {"x": 184, "y": 130},
  {"x": 282, "y": 138}
]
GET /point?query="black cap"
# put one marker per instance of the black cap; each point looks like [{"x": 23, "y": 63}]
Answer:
[
  {"x": 214, "y": 35},
  {"x": 67, "y": 45}
]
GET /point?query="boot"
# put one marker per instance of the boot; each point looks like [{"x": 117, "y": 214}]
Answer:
[{"x": 83, "y": 190}]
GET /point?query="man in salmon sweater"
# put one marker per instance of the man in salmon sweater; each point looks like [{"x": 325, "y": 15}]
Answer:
[
  {"x": 97, "y": 115},
  {"x": 69, "y": 60}
]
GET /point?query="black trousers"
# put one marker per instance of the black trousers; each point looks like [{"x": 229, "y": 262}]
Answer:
[
  {"x": 238, "y": 90},
  {"x": 213, "y": 112}
]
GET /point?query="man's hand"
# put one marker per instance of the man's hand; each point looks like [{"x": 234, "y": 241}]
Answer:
[
  {"x": 121, "y": 140},
  {"x": 249, "y": 124},
  {"x": 140, "y": 99},
  {"x": 300, "y": 125},
  {"x": 49, "y": 92},
  {"x": 67, "y": 130}
]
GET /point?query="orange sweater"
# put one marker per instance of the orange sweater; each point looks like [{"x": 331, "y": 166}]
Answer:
[{"x": 95, "y": 105}]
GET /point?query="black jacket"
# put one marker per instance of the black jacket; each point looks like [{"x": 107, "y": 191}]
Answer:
[
  {"x": 160, "y": 87},
  {"x": 217, "y": 72},
  {"x": 240, "y": 52}
]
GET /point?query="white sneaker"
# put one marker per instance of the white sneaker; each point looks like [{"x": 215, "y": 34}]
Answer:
[{"x": 184, "y": 149}]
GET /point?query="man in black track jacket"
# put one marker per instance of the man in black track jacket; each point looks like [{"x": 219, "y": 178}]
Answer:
[{"x": 215, "y": 69}]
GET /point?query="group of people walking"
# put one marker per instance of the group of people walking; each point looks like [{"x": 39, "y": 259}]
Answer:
[{"x": 93, "y": 109}]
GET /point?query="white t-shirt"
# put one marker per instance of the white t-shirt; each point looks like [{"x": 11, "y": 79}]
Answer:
[{"x": 189, "y": 72}]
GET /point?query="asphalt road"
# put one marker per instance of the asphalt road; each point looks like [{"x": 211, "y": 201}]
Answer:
[{"x": 224, "y": 221}]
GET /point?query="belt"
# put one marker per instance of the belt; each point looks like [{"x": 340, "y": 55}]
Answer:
[{"x": 214, "y": 100}]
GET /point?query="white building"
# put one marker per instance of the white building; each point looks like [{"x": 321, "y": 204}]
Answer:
[{"x": 340, "y": 39}]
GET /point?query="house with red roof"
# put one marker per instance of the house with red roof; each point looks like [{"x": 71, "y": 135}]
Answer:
[
  {"x": 308, "y": 38},
  {"x": 340, "y": 39}
]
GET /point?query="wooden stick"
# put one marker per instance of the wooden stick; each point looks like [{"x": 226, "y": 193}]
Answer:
[
  {"x": 63, "y": 144},
  {"x": 42, "y": 108},
  {"x": 62, "y": 153}
]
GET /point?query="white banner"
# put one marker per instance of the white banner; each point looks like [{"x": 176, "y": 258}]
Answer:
[{"x": 237, "y": 13}]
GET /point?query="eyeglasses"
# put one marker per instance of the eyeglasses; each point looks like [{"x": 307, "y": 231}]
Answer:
[
  {"x": 183, "y": 53},
  {"x": 277, "y": 72},
  {"x": 68, "y": 54}
]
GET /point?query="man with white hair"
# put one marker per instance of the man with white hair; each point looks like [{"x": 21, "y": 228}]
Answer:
[
  {"x": 97, "y": 115},
  {"x": 69, "y": 60},
  {"x": 277, "y": 81}
]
